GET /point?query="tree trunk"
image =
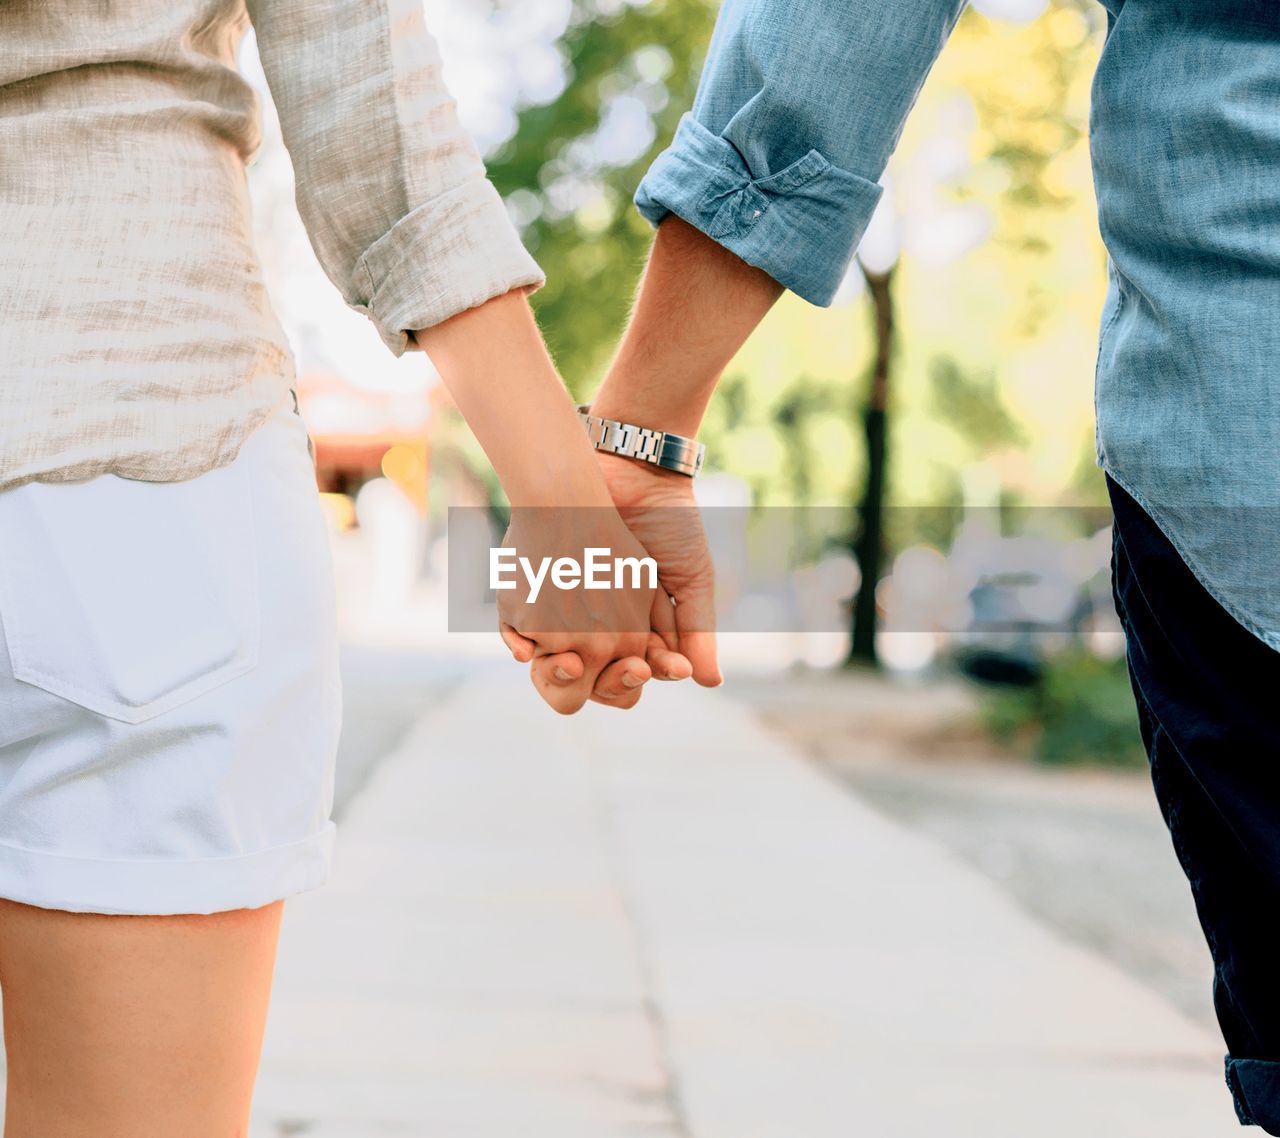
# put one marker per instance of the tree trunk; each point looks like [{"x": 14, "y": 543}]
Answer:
[{"x": 868, "y": 547}]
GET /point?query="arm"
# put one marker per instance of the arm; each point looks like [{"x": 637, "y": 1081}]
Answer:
[
  {"x": 696, "y": 306},
  {"x": 406, "y": 224},
  {"x": 494, "y": 363},
  {"x": 768, "y": 185}
]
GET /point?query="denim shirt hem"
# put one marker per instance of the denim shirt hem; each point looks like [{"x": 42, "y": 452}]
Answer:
[{"x": 1212, "y": 582}]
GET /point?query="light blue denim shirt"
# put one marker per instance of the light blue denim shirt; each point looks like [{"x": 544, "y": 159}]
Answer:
[{"x": 801, "y": 104}]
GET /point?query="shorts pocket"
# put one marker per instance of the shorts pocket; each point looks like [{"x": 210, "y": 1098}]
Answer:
[{"x": 128, "y": 597}]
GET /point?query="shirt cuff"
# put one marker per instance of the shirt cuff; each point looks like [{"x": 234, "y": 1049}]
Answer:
[
  {"x": 450, "y": 254},
  {"x": 800, "y": 225}
]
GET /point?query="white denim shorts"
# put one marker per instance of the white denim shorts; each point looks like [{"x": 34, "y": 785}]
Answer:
[{"x": 169, "y": 691}]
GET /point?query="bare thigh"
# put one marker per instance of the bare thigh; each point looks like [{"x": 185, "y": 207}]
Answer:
[{"x": 145, "y": 1027}]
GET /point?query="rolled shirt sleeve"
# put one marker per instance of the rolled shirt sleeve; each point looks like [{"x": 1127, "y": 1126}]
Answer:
[
  {"x": 800, "y": 105},
  {"x": 391, "y": 188}
]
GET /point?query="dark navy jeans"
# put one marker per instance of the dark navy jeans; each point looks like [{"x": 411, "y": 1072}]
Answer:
[{"x": 1208, "y": 695}]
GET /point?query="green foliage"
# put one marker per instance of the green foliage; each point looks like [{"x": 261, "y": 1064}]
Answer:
[
  {"x": 569, "y": 180},
  {"x": 971, "y": 404},
  {"x": 1080, "y": 712}
]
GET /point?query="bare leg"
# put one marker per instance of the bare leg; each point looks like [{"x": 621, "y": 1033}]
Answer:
[{"x": 133, "y": 1027}]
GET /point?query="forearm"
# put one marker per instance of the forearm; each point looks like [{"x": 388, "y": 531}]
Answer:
[
  {"x": 769, "y": 184},
  {"x": 496, "y": 367},
  {"x": 696, "y": 306}
]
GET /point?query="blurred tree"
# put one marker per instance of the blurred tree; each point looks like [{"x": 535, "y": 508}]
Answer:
[
  {"x": 869, "y": 549},
  {"x": 792, "y": 417},
  {"x": 569, "y": 172}
]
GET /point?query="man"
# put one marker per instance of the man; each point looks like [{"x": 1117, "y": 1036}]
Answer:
[{"x": 769, "y": 184}]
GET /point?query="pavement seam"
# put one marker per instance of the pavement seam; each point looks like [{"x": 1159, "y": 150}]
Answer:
[{"x": 599, "y": 780}]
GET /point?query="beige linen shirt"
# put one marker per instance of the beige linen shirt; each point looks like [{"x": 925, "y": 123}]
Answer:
[{"x": 136, "y": 336}]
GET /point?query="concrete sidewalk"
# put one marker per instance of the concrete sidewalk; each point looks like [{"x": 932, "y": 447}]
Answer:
[{"x": 669, "y": 924}]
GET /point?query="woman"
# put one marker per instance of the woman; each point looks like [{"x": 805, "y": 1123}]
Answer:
[{"x": 169, "y": 695}]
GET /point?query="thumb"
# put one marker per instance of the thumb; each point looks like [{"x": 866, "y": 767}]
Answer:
[
  {"x": 663, "y": 656},
  {"x": 696, "y": 626}
]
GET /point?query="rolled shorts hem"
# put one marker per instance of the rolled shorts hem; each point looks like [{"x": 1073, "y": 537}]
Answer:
[{"x": 162, "y": 887}]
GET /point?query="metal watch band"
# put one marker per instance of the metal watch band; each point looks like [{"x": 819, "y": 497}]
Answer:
[{"x": 658, "y": 448}]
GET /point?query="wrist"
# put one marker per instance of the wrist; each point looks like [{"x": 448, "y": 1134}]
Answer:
[
  {"x": 665, "y": 449},
  {"x": 561, "y": 487},
  {"x": 559, "y": 471},
  {"x": 630, "y": 396},
  {"x": 631, "y": 483}
]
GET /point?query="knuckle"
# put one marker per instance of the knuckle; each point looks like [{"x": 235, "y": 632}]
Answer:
[{"x": 560, "y": 701}]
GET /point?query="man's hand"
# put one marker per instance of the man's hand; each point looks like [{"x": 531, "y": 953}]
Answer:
[{"x": 659, "y": 508}]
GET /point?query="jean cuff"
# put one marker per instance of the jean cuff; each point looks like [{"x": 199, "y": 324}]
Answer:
[
  {"x": 800, "y": 225},
  {"x": 1255, "y": 1086},
  {"x": 447, "y": 255}
]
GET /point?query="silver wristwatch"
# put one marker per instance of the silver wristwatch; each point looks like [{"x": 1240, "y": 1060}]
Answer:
[{"x": 658, "y": 448}]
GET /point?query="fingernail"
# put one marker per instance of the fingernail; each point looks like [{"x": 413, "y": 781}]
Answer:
[
  {"x": 631, "y": 680},
  {"x": 561, "y": 674}
]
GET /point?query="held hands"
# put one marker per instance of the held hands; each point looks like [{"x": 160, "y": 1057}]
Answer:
[
  {"x": 603, "y": 646},
  {"x": 581, "y": 643},
  {"x": 600, "y": 643}
]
